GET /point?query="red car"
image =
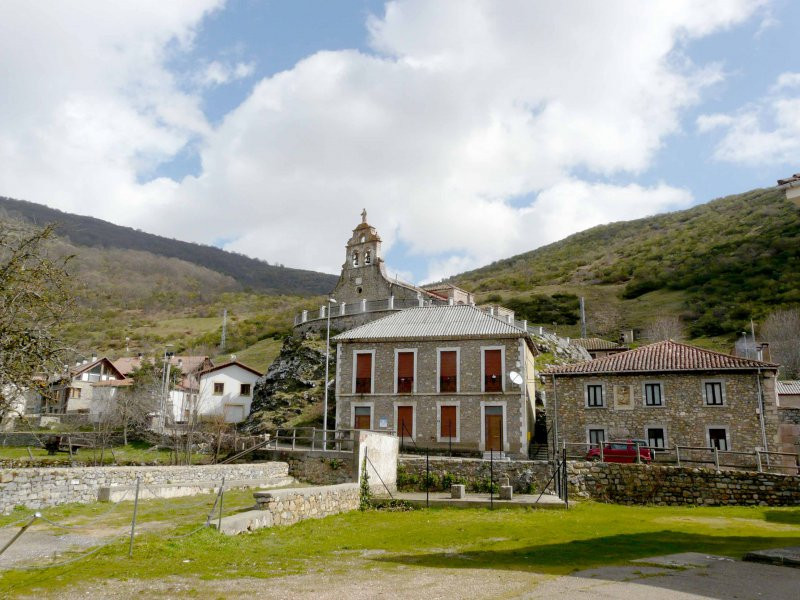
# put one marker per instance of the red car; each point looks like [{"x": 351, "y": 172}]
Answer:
[{"x": 621, "y": 451}]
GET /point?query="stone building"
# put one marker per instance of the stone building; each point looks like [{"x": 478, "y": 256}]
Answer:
[
  {"x": 80, "y": 390},
  {"x": 598, "y": 347},
  {"x": 791, "y": 187},
  {"x": 669, "y": 394},
  {"x": 441, "y": 377},
  {"x": 365, "y": 292}
]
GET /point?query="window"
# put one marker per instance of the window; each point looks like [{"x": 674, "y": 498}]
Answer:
[
  {"x": 656, "y": 437},
  {"x": 355, "y": 259},
  {"x": 75, "y": 392},
  {"x": 492, "y": 370},
  {"x": 367, "y": 257},
  {"x": 245, "y": 391},
  {"x": 362, "y": 417},
  {"x": 363, "y": 373},
  {"x": 594, "y": 395},
  {"x": 448, "y": 371},
  {"x": 718, "y": 438},
  {"x": 597, "y": 436},
  {"x": 219, "y": 389},
  {"x": 448, "y": 422},
  {"x": 405, "y": 372},
  {"x": 652, "y": 394},
  {"x": 713, "y": 393}
]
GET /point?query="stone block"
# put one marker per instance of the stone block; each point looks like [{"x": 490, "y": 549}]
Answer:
[
  {"x": 506, "y": 492},
  {"x": 457, "y": 491}
]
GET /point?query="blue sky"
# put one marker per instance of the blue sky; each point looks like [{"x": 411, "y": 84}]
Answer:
[{"x": 470, "y": 130}]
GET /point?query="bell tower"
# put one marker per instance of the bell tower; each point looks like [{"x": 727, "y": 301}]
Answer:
[
  {"x": 363, "y": 272},
  {"x": 364, "y": 248}
]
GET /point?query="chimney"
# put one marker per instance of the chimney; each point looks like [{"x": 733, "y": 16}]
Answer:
[{"x": 94, "y": 356}]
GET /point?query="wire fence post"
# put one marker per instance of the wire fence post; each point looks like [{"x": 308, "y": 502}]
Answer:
[
  {"x": 638, "y": 456},
  {"x": 427, "y": 477},
  {"x": 678, "y": 454},
  {"x": 565, "y": 485},
  {"x": 758, "y": 461},
  {"x": 716, "y": 459},
  {"x": 491, "y": 479},
  {"x": 221, "y": 498},
  {"x": 602, "y": 458},
  {"x": 133, "y": 520},
  {"x": 22, "y": 530}
]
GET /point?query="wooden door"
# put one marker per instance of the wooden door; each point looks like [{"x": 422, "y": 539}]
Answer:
[
  {"x": 405, "y": 372},
  {"x": 405, "y": 422},
  {"x": 494, "y": 432},
  {"x": 361, "y": 418},
  {"x": 493, "y": 371},
  {"x": 448, "y": 429}
]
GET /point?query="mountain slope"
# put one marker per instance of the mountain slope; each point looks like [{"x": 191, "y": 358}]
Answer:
[
  {"x": 716, "y": 265},
  {"x": 248, "y": 272}
]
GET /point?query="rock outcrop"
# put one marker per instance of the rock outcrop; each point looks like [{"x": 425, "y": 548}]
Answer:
[{"x": 291, "y": 392}]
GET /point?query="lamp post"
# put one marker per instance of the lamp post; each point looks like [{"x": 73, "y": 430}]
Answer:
[{"x": 327, "y": 360}]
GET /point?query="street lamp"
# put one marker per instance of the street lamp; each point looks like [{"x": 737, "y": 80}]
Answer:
[{"x": 327, "y": 360}]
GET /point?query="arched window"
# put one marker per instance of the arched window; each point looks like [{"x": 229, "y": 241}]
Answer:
[
  {"x": 355, "y": 259},
  {"x": 368, "y": 257}
]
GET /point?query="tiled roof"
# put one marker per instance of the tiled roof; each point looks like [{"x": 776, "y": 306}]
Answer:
[
  {"x": 188, "y": 364},
  {"x": 667, "y": 356},
  {"x": 597, "y": 344},
  {"x": 229, "y": 364},
  {"x": 788, "y": 387},
  {"x": 434, "y": 322}
]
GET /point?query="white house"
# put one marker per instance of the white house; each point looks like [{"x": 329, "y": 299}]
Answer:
[{"x": 226, "y": 389}]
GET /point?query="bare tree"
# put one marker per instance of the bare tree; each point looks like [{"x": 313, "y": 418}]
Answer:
[
  {"x": 34, "y": 300},
  {"x": 781, "y": 330},
  {"x": 664, "y": 327}
]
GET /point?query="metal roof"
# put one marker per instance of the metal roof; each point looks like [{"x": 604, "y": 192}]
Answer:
[
  {"x": 788, "y": 387},
  {"x": 666, "y": 356},
  {"x": 434, "y": 322}
]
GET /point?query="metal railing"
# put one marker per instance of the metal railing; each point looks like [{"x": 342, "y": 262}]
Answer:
[{"x": 680, "y": 455}]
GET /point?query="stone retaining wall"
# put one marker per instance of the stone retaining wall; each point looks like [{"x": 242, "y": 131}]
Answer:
[
  {"x": 284, "y": 507},
  {"x": 643, "y": 484},
  {"x": 315, "y": 467},
  {"x": 612, "y": 482},
  {"x": 525, "y": 476},
  {"x": 43, "y": 487}
]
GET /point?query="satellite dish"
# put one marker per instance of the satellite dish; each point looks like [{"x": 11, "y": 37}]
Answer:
[{"x": 515, "y": 377}]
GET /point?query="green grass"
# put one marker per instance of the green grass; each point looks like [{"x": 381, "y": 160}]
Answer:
[
  {"x": 259, "y": 356},
  {"x": 133, "y": 453},
  {"x": 550, "y": 542}
]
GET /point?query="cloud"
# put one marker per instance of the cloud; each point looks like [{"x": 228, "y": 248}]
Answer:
[
  {"x": 217, "y": 73},
  {"x": 459, "y": 111},
  {"x": 763, "y": 132}
]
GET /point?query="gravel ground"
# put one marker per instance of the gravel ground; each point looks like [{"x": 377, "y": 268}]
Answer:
[
  {"x": 688, "y": 577},
  {"x": 35, "y": 545}
]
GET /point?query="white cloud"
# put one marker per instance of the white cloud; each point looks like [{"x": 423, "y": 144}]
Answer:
[
  {"x": 767, "y": 131},
  {"x": 462, "y": 107},
  {"x": 218, "y": 73}
]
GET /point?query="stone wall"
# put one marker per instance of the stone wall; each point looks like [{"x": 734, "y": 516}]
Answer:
[
  {"x": 284, "y": 507},
  {"x": 612, "y": 482},
  {"x": 526, "y": 476},
  {"x": 426, "y": 401},
  {"x": 684, "y": 416},
  {"x": 315, "y": 467},
  {"x": 339, "y": 322},
  {"x": 641, "y": 484},
  {"x": 43, "y": 487}
]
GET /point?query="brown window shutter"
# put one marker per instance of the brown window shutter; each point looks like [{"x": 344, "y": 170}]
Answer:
[
  {"x": 448, "y": 422},
  {"x": 448, "y": 371},
  {"x": 405, "y": 372},
  {"x": 363, "y": 373},
  {"x": 493, "y": 370}
]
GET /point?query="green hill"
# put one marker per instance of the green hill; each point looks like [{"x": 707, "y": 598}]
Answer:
[
  {"x": 247, "y": 272},
  {"x": 715, "y": 265}
]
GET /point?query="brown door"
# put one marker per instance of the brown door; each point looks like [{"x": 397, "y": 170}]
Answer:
[
  {"x": 363, "y": 373},
  {"x": 362, "y": 418},
  {"x": 448, "y": 423},
  {"x": 448, "y": 372},
  {"x": 405, "y": 372},
  {"x": 405, "y": 422},
  {"x": 494, "y": 428}
]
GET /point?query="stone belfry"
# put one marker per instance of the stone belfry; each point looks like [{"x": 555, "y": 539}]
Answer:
[{"x": 363, "y": 270}]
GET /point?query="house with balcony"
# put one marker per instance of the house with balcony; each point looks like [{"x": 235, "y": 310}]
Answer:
[
  {"x": 450, "y": 377},
  {"x": 79, "y": 390}
]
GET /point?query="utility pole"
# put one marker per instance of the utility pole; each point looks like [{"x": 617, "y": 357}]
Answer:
[
  {"x": 583, "y": 318},
  {"x": 224, "y": 330}
]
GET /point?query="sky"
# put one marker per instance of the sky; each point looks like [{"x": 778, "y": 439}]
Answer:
[{"x": 470, "y": 130}]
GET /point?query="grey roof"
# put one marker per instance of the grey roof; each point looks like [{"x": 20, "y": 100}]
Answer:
[
  {"x": 434, "y": 322},
  {"x": 789, "y": 387}
]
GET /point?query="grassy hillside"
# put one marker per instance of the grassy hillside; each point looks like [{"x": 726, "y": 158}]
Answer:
[
  {"x": 716, "y": 265},
  {"x": 247, "y": 272}
]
